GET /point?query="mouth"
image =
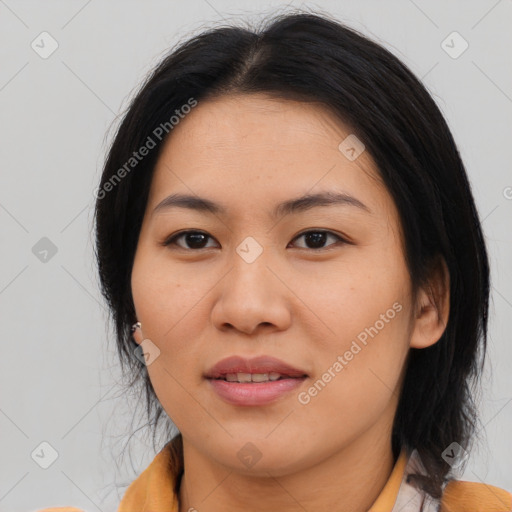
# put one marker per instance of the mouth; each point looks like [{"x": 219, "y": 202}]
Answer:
[
  {"x": 246, "y": 378},
  {"x": 256, "y": 369},
  {"x": 254, "y": 382}
]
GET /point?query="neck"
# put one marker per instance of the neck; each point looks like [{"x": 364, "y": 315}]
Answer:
[{"x": 349, "y": 480}]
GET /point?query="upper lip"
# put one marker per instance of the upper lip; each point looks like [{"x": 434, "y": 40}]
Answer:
[{"x": 260, "y": 364}]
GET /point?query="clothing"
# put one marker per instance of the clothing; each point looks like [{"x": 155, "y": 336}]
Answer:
[{"x": 156, "y": 489}]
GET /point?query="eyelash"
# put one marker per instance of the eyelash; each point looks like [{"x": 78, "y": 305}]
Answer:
[{"x": 171, "y": 240}]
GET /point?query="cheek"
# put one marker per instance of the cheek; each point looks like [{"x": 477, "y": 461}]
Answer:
[
  {"x": 359, "y": 363},
  {"x": 167, "y": 302},
  {"x": 356, "y": 382},
  {"x": 167, "y": 295},
  {"x": 347, "y": 296}
]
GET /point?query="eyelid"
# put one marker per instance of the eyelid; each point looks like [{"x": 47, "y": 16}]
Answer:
[{"x": 171, "y": 240}]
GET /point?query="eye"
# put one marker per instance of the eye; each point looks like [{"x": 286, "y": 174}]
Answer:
[
  {"x": 197, "y": 239},
  {"x": 317, "y": 238}
]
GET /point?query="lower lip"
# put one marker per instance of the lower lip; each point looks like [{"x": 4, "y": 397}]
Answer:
[{"x": 256, "y": 393}]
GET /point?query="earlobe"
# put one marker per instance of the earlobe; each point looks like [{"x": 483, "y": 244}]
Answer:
[
  {"x": 433, "y": 307},
  {"x": 136, "y": 330}
]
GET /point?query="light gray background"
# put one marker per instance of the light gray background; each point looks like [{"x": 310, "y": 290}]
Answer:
[{"x": 59, "y": 376}]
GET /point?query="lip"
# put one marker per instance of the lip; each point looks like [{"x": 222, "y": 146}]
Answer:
[
  {"x": 255, "y": 393},
  {"x": 260, "y": 364}
]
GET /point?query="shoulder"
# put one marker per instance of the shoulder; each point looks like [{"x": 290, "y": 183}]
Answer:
[{"x": 462, "y": 496}]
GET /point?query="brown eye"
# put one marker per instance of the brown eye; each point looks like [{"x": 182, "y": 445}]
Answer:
[
  {"x": 194, "y": 239},
  {"x": 317, "y": 239}
]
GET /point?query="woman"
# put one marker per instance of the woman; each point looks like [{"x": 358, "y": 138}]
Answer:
[{"x": 292, "y": 255}]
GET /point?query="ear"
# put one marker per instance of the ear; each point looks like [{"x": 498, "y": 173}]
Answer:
[{"x": 432, "y": 307}]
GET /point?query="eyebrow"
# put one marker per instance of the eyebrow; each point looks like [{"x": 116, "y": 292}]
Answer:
[{"x": 289, "y": 207}]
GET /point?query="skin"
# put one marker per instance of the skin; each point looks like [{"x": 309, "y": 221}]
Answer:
[{"x": 300, "y": 302}]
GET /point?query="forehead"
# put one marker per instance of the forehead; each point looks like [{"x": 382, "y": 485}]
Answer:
[
  {"x": 259, "y": 149},
  {"x": 253, "y": 122}
]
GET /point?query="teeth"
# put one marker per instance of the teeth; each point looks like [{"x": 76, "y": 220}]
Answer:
[
  {"x": 252, "y": 377},
  {"x": 260, "y": 377},
  {"x": 244, "y": 377}
]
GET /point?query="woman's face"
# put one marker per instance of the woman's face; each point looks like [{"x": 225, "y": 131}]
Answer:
[{"x": 265, "y": 282}]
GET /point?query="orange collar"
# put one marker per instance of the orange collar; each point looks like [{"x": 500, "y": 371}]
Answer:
[{"x": 387, "y": 498}]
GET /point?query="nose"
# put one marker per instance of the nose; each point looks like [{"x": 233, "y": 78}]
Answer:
[{"x": 252, "y": 297}]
